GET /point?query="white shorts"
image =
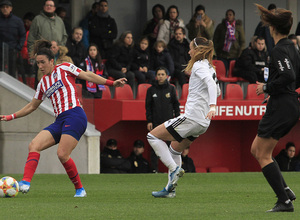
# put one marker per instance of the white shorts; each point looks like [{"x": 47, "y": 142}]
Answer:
[{"x": 182, "y": 127}]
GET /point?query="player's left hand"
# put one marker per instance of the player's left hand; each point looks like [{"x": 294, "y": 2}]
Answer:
[
  {"x": 120, "y": 82},
  {"x": 3, "y": 118}
]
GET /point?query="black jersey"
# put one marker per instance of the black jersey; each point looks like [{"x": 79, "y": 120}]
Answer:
[{"x": 284, "y": 68}]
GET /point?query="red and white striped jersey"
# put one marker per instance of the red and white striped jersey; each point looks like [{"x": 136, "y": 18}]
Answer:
[{"x": 60, "y": 88}]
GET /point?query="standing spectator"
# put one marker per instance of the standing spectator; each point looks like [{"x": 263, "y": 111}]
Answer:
[
  {"x": 47, "y": 25},
  {"x": 161, "y": 105},
  {"x": 62, "y": 13},
  {"x": 179, "y": 50},
  {"x": 141, "y": 62},
  {"x": 75, "y": 46},
  {"x": 84, "y": 23},
  {"x": 112, "y": 160},
  {"x": 229, "y": 38},
  {"x": 250, "y": 65},
  {"x": 103, "y": 29},
  {"x": 138, "y": 163},
  {"x": 264, "y": 31},
  {"x": 12, "y": 32},
  {"x": 152, "y": 26},
  {"x": 187, "y": 162},
  {"x": 120, "y": 58},
  {"x": 166, "y": 30},
  {"x": 286, "y": 158},
  {"x": 200, "y": 24}
]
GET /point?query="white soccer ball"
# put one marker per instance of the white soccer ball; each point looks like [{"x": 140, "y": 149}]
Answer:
[{"x": 9, "y": 187}]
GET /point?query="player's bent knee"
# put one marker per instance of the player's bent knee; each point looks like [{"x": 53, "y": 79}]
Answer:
[
  {"x": 33, "y": 146},
  {"x": 62, "y": 156}
]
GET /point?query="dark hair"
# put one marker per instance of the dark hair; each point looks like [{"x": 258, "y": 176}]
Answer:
[
  {"x": 199, "y": 7},
  {"x": 161, "y": 68},
  {"x": 281, "y": 21},
  {"x": 271, "y": 6},
  {"x": 59, "y": 10},
  {"x": 162, "y": 8},
  {"x": 111, "y": 142},
  {"x": 95, "y": 4},
  {"x": 292, "y": 37},
  {"x": 229, "y": 11},
  {"x": 144, "y": 38},
  {"x": 76, "y": 28},
  {"x": 160, "y": 42},
  {"x": 138, "y": 143},
  {"x": 49, "y": 0},
  {"x": 259, "y": 38},
  {"x": 103, "y": 1},
  {"x": 29, "y": 16},
  {"x": 168, "y": 11},
  {"x": 122, "y": 38},
  {"x": 98, "y": 56},
  {"x": 181, "y": 28},
  {"x": 289, "y": 144},
  {"x": 42, "y": 47}
]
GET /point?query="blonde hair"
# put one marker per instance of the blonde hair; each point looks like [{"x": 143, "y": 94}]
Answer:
[{"x": 204, "y": 49}]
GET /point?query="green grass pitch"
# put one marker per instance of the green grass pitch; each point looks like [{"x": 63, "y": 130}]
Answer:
[{"x": 128, "y": 196}]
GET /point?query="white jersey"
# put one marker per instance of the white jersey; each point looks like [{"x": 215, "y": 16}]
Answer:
[
  {"x": 203, "y": 91},
  {"x": 60, "y": 88}
]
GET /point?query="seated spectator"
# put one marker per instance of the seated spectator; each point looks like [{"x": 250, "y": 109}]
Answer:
[
  {"x": 75, "y": 47},
  {"x": 200, "y": 24},
  {"x": 103, "y": 29},
  {"x": 120, "y": 58},
  {"x": 250, "y": 65},
  {"x": 229, "y": 38},
  {"x": 167, "y": 28},
  {"x": 294, "y": 38},
  {"x": 111, "y": 159},
  {"x": 162, "y": 58},
  {"x": 141, "y": 62},
  {"x": 138, "y": 163},
  {"x": 93, "y": 63},
  {"x": 62, "y": 12},
  {"x": 152, "y": 26},
  {"x": 286, "y": 158},
  {"x": 179, "y": 49},
  {"x": 187, "y": 162}
]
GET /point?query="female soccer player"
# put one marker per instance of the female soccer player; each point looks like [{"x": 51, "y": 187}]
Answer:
[
  {"x": 283, "y": 107},
  {"x": 199, "y": 109},
  {"x": 57, "y": 84}
]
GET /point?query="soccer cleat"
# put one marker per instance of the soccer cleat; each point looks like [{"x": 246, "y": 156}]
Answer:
[
  {"x": 282, "y": 207},
  {"x": 24, "y": 186},
  {"x": 174, "y": 177},
  {"x": 164, "y": 194},
  {"x": 290, "y": 194},
  {"x": 80, "y": 192}
]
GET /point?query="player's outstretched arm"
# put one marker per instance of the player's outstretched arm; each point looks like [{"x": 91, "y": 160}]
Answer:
[
  {"x": 92, "y": 77},
  {"x": 26, "y": 110}
]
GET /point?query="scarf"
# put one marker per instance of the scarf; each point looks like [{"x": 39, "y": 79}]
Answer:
[
  {"x": 229, "y": 37},
  {"x": 50, "y": 15},
  {"x": 173, "y": 25},
  {"x": 92, "y": 87}
]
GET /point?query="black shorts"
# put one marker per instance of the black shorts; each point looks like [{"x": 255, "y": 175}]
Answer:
[{"x": 281, "y": 115}]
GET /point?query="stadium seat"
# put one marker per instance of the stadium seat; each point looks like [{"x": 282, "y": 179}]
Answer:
[
  {"x": 123, "y": 93},
  {"x": 251, "y": 93},
  {"x": 221, "y": 72},
  {"x": 218, "y": 170},
  {"x": 233, "y": 91},
  {"x": 106, "y": 94},
  {"x": 201, "y": 170},
  {"x": 142, "y": 91},
  {"x": 184, "y": 91},
  {"x": 79, "y": 92}
]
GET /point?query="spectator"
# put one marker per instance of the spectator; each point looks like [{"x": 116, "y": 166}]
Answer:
[
  {"x": 250, "y": 65},
  {"x": 84, "y": 23},
  {"x": 264, "y": 31},
  {"x": 166, "y": 30},
  {"x": 162, "y": 57},
  {"x": 47, "y": 25},
  {"x": 229, "y": 38},
  {"x": 200, "y": 24},
  {"x": 111, "y": 159},
  {"x": 141, "y": 62},
  {"x": 103, "y": 29},
  {"x": 93, "y": 63},
  {"x": 187, "y": 162},
  {"x": 152, "y": 26},
  {"x": 161, "y": 105},
  {"x": 179, "y": 49},
  {"x": 294, "y": 38},
  {"x": 120, "y": 58},
  {"x": 62, "y": 12},
  {"x": 286, "y": 158},
  {"x": 138, "y": 163},
  {"x": 12, "y": 32},
  {"x": 75, "y": 47}
]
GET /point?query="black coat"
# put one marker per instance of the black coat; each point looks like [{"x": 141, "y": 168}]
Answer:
[
  {"x": 77, "y": 51},
  {"x": 161, "y": 103},
  {"x": 284, "y": 162},
  {"x": 138, "y": 164},
  {"x": 162, "y": 59},
  {"x": 120, "y": 56},
  {"x": 188, "y": 164},
  {"x": 141, "y": 58},
  {"x": 179, "y": 53},
  {"x": 113, "y": 162}
]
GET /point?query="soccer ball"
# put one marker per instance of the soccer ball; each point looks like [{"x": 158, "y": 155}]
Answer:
[{"x": 9, "y": 187}]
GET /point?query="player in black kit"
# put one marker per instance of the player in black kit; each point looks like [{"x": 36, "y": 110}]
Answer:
[{"x": 283, "y": 107}]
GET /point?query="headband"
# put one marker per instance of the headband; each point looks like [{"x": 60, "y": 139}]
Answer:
[{"x": 195, "y": 42}]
